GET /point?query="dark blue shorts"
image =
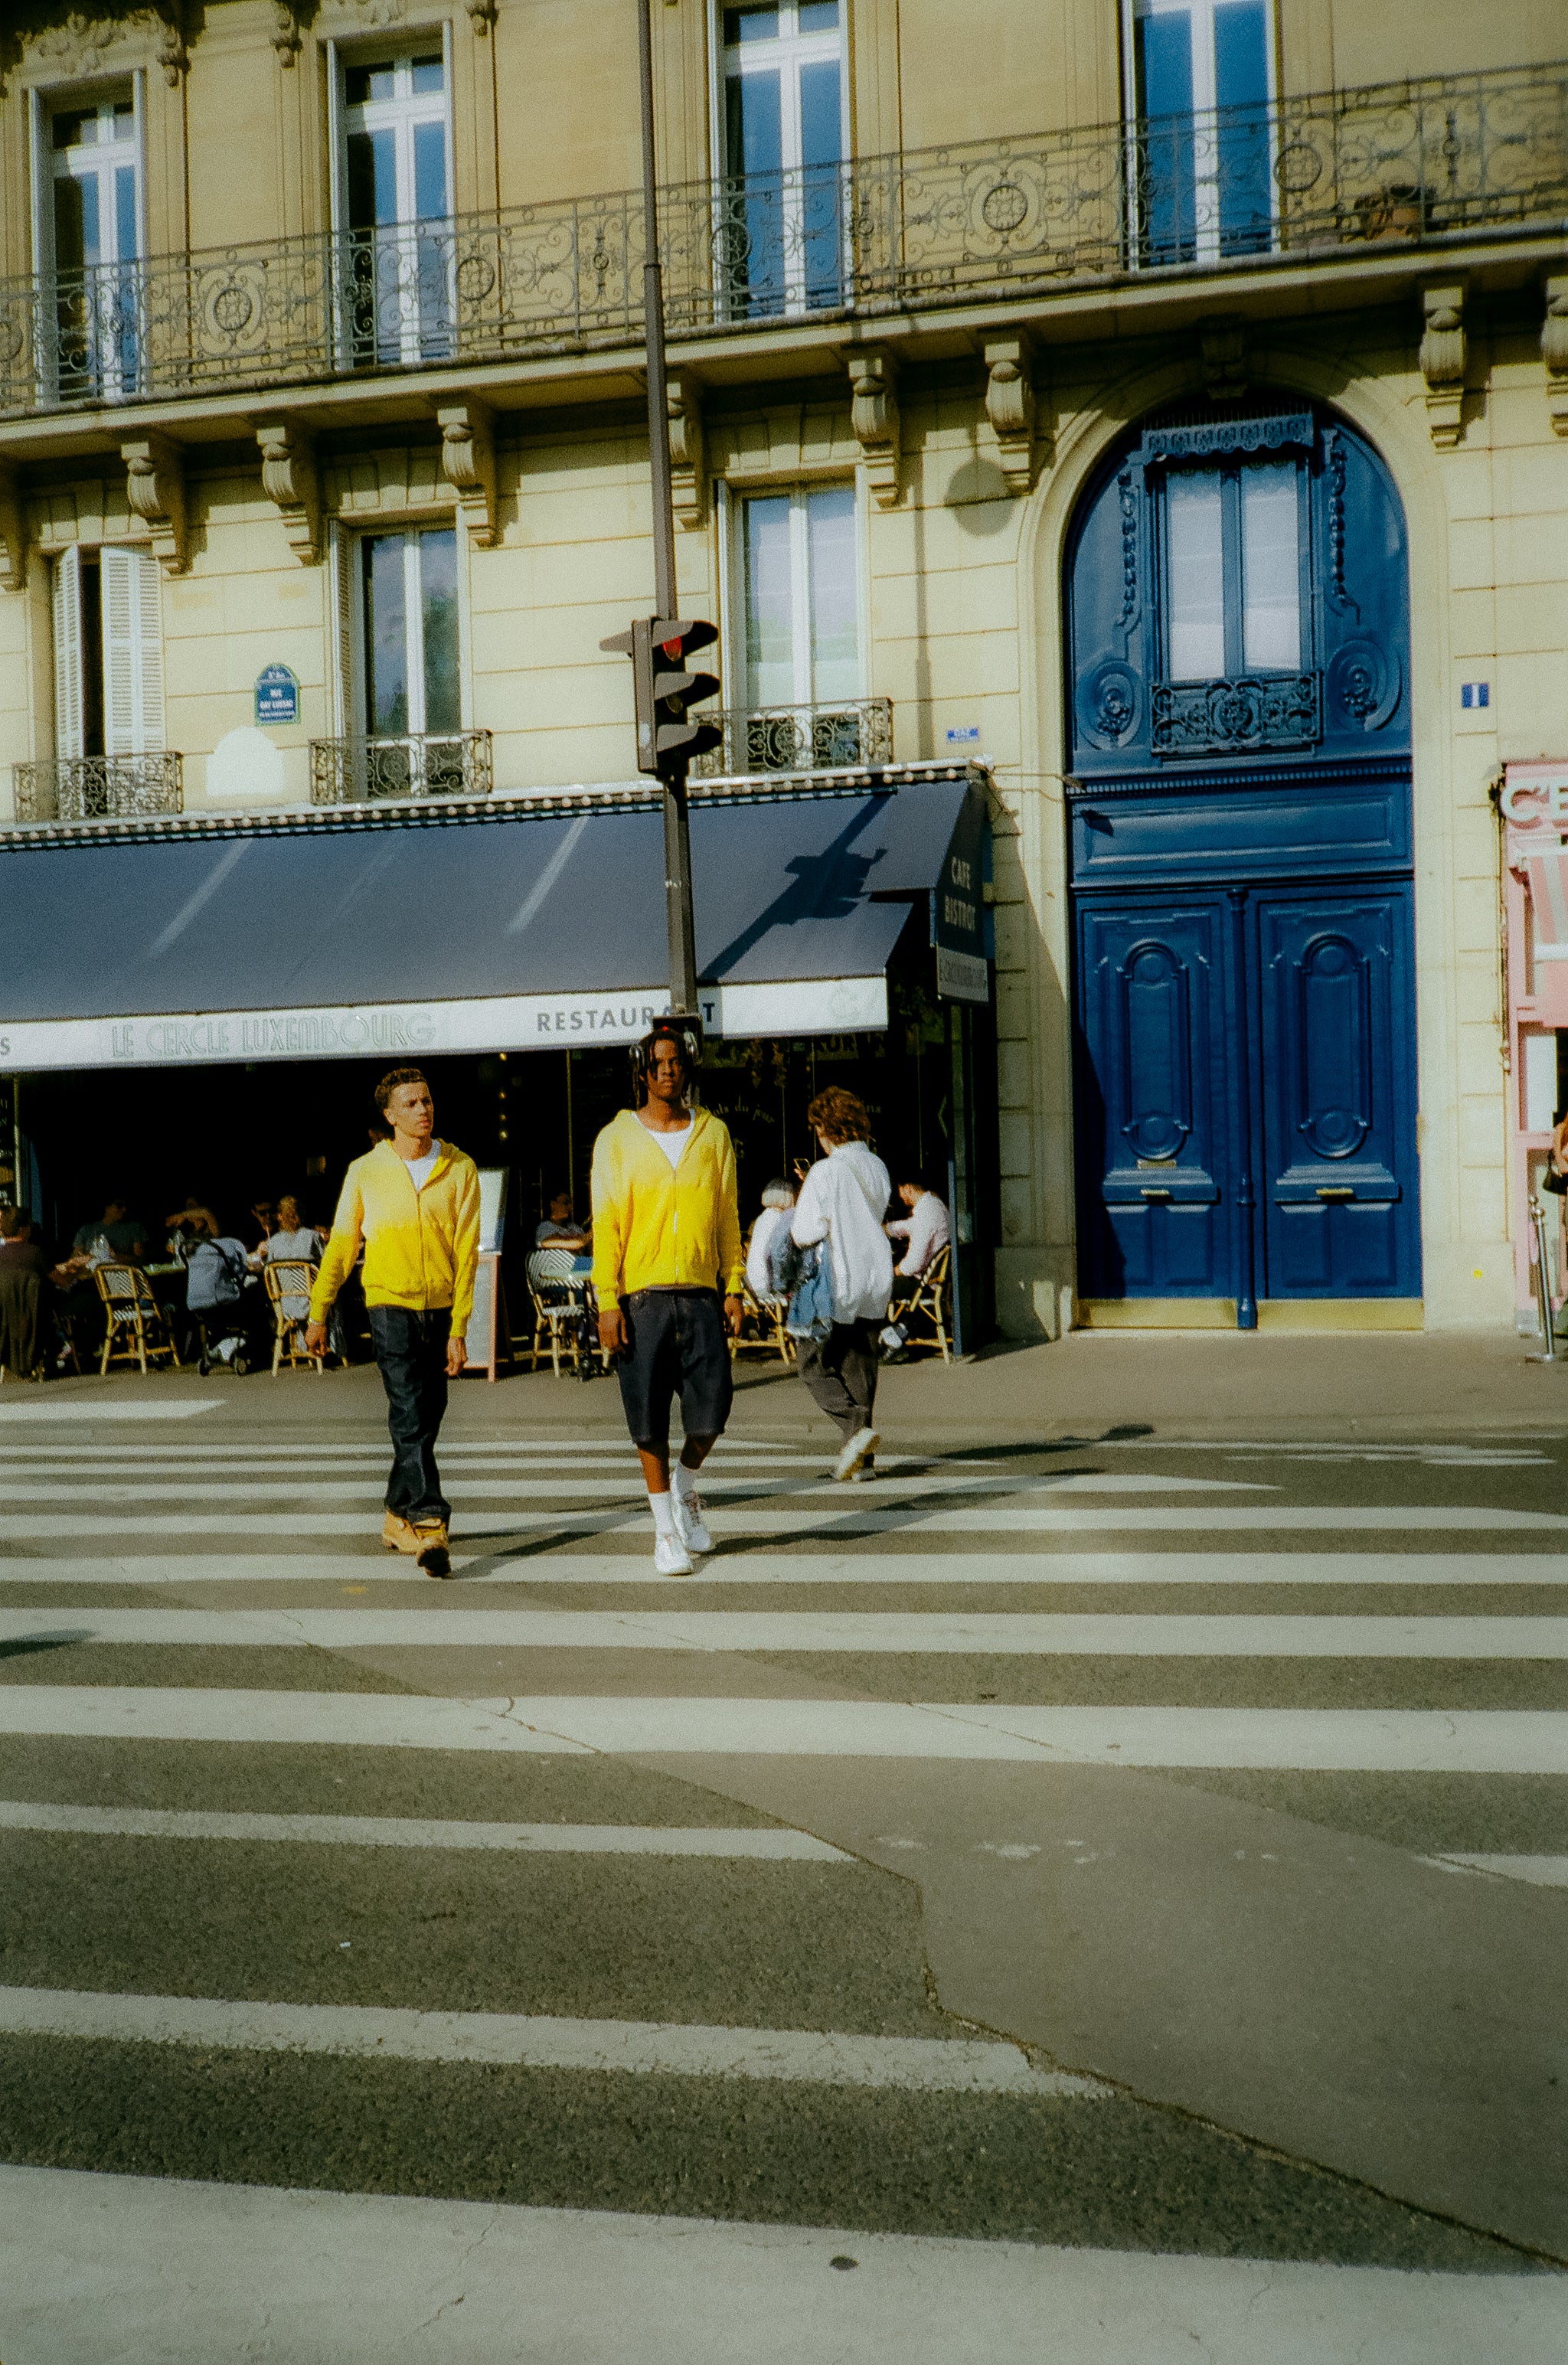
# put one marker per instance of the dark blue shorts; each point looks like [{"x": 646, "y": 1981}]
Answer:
[{"x": 677, "y": 1347}]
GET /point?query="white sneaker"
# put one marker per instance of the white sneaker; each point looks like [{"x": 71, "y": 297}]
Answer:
[
  {"x": 670, "y": 1557},
  {"x": 859, "y": 1448},
  {"x": 689, "y": 1524}
]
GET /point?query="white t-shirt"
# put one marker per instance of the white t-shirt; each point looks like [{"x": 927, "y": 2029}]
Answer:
[
  {"x": 672, "y": 1144},
  {"x": 422, "y": 1168},
  {"x": 925, "y": 1229}
]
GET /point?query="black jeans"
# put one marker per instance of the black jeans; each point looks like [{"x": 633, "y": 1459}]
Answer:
[
  {"x": 841, "y": 1373},
  {"x": 410, "y": 1351}
]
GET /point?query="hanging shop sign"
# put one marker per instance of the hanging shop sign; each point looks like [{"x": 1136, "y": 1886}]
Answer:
[{"x": 959, "y": 928}]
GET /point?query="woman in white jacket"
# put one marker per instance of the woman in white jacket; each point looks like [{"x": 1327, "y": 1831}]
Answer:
[{"x": 842, "y": 1202}]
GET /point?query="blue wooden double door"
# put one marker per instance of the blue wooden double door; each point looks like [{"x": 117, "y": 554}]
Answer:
[{"x": 1244, "y": 1114}]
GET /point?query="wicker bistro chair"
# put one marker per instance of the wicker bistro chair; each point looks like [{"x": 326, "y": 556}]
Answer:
[
  {"x": 561, "y": 1297},
  {"x": 768, "y": 1336},
  {"x": 135, "y": 1323},
  {"x": 288, "y": 1281},
  {"x": 928, "y": 1308}
]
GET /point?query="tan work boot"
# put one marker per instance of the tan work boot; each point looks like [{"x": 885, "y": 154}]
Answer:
[
  {"x": 397, "y": 1535},
  {"x": 430, "y": 1543}
]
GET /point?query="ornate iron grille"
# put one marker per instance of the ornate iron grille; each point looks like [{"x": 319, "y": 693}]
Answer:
[
  {"x": 847, "y": 732},
  {"x": 424, "y": 764},
  {"x": 99, "y": 787},
  {"x": 1409, "y": 161},
  {"x": 1237, "y": 717}
]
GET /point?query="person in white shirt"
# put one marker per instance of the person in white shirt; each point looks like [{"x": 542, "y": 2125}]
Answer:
[
  {"x": 767, "y": 1234},
  {"x": 560, "y": 1229},
  {"x": 924, "y": 1231},
  {"x": 843, "y": 1201}
]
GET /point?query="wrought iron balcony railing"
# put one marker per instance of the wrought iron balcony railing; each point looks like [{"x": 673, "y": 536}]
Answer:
[
  {"x": 98, "y": 788},
  {"x": 1417, "y": 161},
  {"x": 844, "y": 731},
  {"x": 423, "y": 764}
]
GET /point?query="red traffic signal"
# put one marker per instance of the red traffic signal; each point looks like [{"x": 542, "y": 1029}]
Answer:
[{"x": 665, "y": 686}]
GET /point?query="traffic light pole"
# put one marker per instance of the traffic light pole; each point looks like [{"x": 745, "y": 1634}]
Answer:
[{"x": 672, "y": 769}]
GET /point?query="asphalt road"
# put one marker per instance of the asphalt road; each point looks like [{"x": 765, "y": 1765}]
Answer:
[{"x": 1015, "y": 1910}]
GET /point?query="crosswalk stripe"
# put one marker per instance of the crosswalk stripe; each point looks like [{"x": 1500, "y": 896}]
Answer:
[
  {"x": 760, "y": 1846},
  {"x": 863, "y": 1567},
  {"x": 1001, "y": 1518},
  {"x": 1419, "y": 1741},
  {"x": 609, "y": 1490},
  {"x": 105, "y": 1407},
  {"x": 1140, "y": 1634},
  {"x": 931, "y": 2065}
]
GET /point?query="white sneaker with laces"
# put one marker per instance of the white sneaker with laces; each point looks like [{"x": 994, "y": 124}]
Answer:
[
  {"x": 857, "y": 1450},
  {"x": 671, "y": 1557},
  {"x": 689, "y": 1524}
]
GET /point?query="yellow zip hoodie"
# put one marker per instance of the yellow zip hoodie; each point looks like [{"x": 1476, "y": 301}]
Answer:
[
  {"x": 421, "y": 1248},
  {"x": 658, "y": 1226}
]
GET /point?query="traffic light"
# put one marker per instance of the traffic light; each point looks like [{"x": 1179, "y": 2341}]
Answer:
[{"x": 665, "y": 687}]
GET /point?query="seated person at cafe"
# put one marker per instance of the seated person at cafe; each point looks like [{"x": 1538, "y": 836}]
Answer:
[
  {"x": 217, "y": 1280},
  {"x": 192, "y": 1221},
  {"x": 560, "y": 1228},
  {"x": 116, "y": 1239},
  {"x": 291, "y": 1242},
  {"x": 925, "y": 1230},
  {"x": 770, "y": 1235}
]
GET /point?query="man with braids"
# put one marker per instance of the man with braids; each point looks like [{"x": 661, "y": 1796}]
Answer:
[{"x": 413, "y": 1202}]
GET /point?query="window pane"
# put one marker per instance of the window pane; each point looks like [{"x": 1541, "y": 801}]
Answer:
[
  {"x": 819, "y": 16},
  {"x": 751, "y": 25},
  {"x": 1164, "y": 45},
  {"x": 75, "y": 131},
  {"x": 125, "y": 213},
  {"x": 835, "y": 641},
  {"x": 385, "y": 637},
  {"x": 362, "y": 83},
  {"x": 1241, "y": 79},
  {"x": 769, "y": 603},
  {"x": 821, "y": 138},
  {"x": 1194, "y": 545},
  {"x": 373, "y": 180},
  {"x": 75, "y": 223},
  {"x": 430, "y": 171},
  {"x": 125, "y": 118},
  {"x": 754, "y": 230},
  {"x": 438, "y": 591},
  {"x": 756, "y": 140},
  {"x": 1241, "y": 58},
  {"x": 1271, "y": 568},
  {"x": 429, "y": 73},
  {"x": 1163, "y": 63}
]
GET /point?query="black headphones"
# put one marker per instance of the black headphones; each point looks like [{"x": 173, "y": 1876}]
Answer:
[{"x": 684, "y": 1031}]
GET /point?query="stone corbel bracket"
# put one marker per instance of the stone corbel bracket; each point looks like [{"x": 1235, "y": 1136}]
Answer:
[
  {"x": 874, "y": 416},
  {"x": 1010, "y": 405},
  {"x": 1444, "y": 351},
  {"x": 286, "y": 36},
  {"x": 13, "y": 534},
  {"x": 292, "y": 481},
  {"x": 155, "y": 487},
  {"x": 483, "y": 13},
  {"x": 1554, "y": 352},
  {"x": 469, "y": 464},
  {"x": 688, "y": 449}
]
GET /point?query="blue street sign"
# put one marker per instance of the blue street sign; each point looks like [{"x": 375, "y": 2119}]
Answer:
[{"x": 277, "y": 695}]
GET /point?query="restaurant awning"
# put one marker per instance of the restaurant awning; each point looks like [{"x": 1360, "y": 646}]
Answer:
[{"x": 511, "y": 924}]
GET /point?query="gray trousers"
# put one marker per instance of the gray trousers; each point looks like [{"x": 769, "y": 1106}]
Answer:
[{"x": 841, "y": 1373}]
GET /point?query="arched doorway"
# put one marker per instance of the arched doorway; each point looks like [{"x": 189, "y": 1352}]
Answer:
[{"x": 1239, "y": 802}]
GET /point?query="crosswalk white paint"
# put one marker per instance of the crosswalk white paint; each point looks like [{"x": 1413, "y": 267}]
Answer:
[
  {"x": 870, "y": 1566},
  {"x": 1412, "y": 1741},
  {"x": 929, "y": 2065},
  {"x": 759, "y": 1846},
  {"x": 993, "y": 1519},
  {"x": 105, "y": 1408},
  {"x": 445, "y": 1625},
  {"x": 380, "y": 2279},
  {"x": 1540, "y": 1871},
  {"x": 610, "y": 1490}
]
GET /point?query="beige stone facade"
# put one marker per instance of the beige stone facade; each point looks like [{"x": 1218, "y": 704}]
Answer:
[{"x": 967, "y": 413}]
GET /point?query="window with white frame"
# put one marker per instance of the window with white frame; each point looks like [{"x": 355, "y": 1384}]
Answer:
[
  {"x": 108, "y": 654},
  {"x": 1234, "y": 550},
  {"x": 784, "y": 123},
  {"x": 797, "y": 576},
  {"x": 93, "y": 231},
  {"x": 407, "y": 636},
  {"x": 1202, "y": 80},
  {"x": 397, "y": 204}
]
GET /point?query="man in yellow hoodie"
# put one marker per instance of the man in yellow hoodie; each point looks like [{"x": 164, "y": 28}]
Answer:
[
  {"x": 413, "y": 1202},
  {"x": 666, "y": 1239}
]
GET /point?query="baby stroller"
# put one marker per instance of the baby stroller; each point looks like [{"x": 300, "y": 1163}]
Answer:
[{"x": 219, "y": 1284}]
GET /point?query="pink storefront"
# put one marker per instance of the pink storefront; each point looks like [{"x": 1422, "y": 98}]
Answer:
[{"x": 1533, "y": 803}]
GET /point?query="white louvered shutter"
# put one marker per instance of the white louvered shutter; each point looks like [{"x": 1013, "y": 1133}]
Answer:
[
  {"x": 133, "y": 654},
  {"x": 68, "y": 723}
]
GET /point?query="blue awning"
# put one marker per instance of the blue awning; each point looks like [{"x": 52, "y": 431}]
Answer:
[{"x": 427, "y": 929}]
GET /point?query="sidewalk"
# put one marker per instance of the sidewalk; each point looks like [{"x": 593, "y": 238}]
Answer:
[{"x": 1195, "y": 1384}]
